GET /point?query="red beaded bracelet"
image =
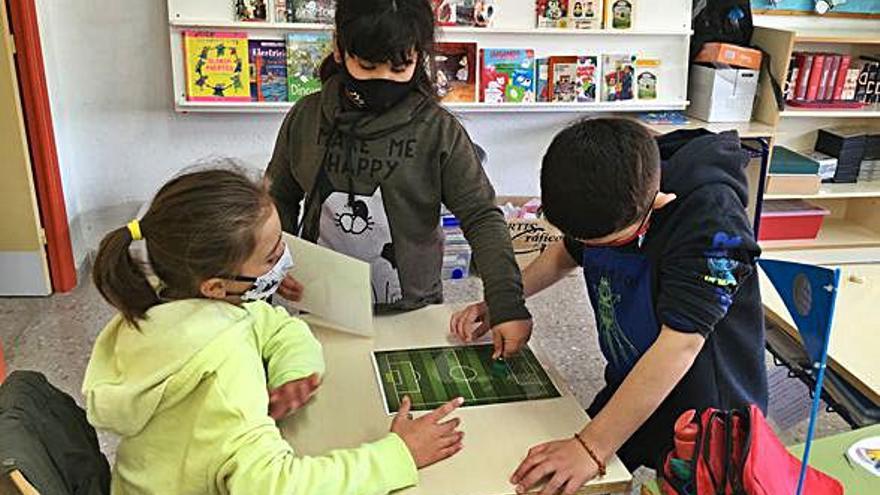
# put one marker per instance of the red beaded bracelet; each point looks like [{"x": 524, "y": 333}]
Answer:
[{"x": 599, "y": 464}]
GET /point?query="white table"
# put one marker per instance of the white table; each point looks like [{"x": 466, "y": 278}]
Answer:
[{"x": 348, "y": 411}]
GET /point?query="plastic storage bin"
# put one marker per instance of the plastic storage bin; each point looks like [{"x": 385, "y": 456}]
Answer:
[{"x": 793, "y": 219}]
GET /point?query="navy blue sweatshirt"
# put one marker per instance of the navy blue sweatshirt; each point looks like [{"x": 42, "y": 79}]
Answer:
[{"x": 694, "y": 272}]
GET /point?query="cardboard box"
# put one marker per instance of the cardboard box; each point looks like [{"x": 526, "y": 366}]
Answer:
[
  {"x": 732, "y": 55},
  {"x": 530, "y": 237},
  {"x": 800, "y": 184},
  {"x": 722, "y": 95}
]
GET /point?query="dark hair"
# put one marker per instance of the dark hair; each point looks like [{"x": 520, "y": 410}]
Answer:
[
  {"x": 599, "y": 176},
  {"x": 200, "y": 225},
  {"x": 381, "y": 31}
]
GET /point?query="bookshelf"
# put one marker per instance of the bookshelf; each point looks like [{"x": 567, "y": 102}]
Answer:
[
  {"x": 851, "y": 234},
  {"x": 662, "y": 30}
]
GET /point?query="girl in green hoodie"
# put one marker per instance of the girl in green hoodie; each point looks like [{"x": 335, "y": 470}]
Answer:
[
  {"x": 189, "y": 371},
  {"x": 364, "y": 166}
]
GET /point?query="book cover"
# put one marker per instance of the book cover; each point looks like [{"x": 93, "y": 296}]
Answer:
[
  {"x": 815, "y": 76},
  {"x": 827, "y": 70},
  {"x": 456, "y": 77},
  {"x": 586, "y": 14},
  {"x": 285, "y": 11},
  {"x": 507, "y": 75},
  {"x": 806, "y": 68},
  {"x": 872, "y": 92},
  {"x": 305, "y": 52},
  {"x": 647, "y": 78},
  {"x": 620, "y": 14},
  {"x": 840, "y": 80},
  {"x": 474, "y": 13},
  {"x": 552, "y": 13},
  {"x": 268, "y": 68},
  {"x": 251, "y": 10},
  {"x": 216, "y": 66},
  {"x": 563, "y": 79},
  {"x": 587, "y": 78},
  {"x": 618, "y": 77},
  {"x": 314, "y": 11},
  {"x": 542, "y": 69}
]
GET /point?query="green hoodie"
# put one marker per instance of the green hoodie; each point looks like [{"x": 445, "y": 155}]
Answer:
[
  {"x": 187, "y": 392},
  {"x": 373, "y": 186}
]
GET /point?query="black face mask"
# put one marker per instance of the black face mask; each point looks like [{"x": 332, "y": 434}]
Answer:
[{"x": 375, "y": 95}]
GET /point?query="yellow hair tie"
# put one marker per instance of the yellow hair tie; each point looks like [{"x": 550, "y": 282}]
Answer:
[{"x": 134, "y": 227}]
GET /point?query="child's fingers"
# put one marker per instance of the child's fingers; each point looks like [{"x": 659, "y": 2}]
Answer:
[
  {"x": 449, "y": 426},
  {"x": 441, "y": 412},
  {"x": 498, "y": 344},
  {"x": 403, "y": 411},
  {"x": 448, "y": 452},
  {"x": 450, "y": 440}
]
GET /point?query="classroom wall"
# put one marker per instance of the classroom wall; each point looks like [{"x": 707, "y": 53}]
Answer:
[{"x": 109, "y": 76}]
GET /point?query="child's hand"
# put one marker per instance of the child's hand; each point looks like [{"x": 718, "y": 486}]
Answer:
[
  {"x": 429, "y": 441},
  {"x": 470, "y": 323},
  {"x": 291, "y": 289},
  {"x": 289, "y": 397},
  {"x": 564, "y": 464},
  {"x": 511, "y": 336}
]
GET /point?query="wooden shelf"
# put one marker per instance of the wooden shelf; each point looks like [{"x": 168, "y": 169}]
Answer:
[
  {"x": 623, "y": 106},
  {"x": 282, "y": 26},
  {"x": 864, "y": 113},
  {"x": 834, "y": 234},
  {"x": 836, "y": 191},
  {"x": 752, "y": 129},
  {"x": 839, "y": 37}
]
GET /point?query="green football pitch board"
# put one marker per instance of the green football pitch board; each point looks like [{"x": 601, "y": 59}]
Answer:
[{"x": 436, "y": 375}]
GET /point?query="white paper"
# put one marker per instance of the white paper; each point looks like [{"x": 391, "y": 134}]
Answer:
[
  {"x": 866, "y": 453},
  {"x": 337, "y": 291}
]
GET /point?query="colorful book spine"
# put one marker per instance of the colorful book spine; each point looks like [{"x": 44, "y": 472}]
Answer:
[
  {"x": 815, "y": 76},
  {"x": 842, "y": 73},
  {"x": 542, "y": 91},
  {"x": 806, "y": 68},
  {"x": 825, "y": 86}
]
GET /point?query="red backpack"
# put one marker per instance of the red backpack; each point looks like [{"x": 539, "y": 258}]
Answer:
[{"x": 734, "y": 453}]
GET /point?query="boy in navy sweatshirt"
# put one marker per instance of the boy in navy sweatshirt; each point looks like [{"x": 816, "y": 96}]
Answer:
[{"x": 661, "y": 232}]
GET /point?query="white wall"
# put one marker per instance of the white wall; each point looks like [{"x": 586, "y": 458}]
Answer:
[{"x": 109, "y": 77}]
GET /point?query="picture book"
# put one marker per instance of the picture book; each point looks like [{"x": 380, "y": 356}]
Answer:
[
  {"x": 507, "y": 75},
  {"x": 542, "y": 71},
  {"x": 305, "y": 52},
  {"x": 475, "y": 13},
  {"x": 268, "y": 62},
  {"x": 285, "y": 11},
  {"x": 618, "y": 77},
  {"x": 563, "y": 79},
  {"x": 251, "y": 10},
  {"x": 647, "y": 78},
  {"x": 552, "y": 13},
  {"x": 586, "y": 14},
  {"x": 216, "y": 66},
  {"x": 314, "y": 11},
  {"x": 587, "y": 78},
  {"x": 620, "y": 14},
  {"x": 456, "y": 66}
]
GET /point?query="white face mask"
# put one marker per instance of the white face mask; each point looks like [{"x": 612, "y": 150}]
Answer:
[{"x": 267, "y": 284}]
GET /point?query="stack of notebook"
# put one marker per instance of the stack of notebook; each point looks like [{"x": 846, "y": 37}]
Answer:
[
  {"x": 792, "y": 173},
  {"x": 848, "y": 146}
]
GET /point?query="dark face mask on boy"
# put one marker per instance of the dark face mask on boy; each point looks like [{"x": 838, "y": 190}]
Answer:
[{"x": 375, "y": 95}]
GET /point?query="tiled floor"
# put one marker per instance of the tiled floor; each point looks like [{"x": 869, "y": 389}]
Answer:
[{"x": 55, "y": 335}]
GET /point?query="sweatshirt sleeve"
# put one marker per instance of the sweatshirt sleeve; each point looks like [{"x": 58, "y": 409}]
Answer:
[
  {"x": 283, "y": 187},
  {"x": 261, "y": 461},
  {"x": 707, "y": 261},
  {"x": 286, "y": 343},
  {"x": 470, "y": 197}
]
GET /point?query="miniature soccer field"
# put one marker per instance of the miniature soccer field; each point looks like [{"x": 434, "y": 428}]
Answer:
[{"x": 434, "y": 376}]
